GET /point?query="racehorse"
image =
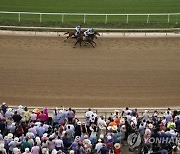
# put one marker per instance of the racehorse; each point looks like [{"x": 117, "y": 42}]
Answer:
[
  {"x": 94, "y": 36},
  {"x": 87, "y": 39},
  {"x": 72, "y": 34},
  {"x": 84, "y": 39}
]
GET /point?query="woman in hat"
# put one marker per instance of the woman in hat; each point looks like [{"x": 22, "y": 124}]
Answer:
[{"x": 117, "y": 148}]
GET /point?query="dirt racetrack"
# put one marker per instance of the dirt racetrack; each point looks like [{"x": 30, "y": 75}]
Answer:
[{"x": 119, "y": 72}]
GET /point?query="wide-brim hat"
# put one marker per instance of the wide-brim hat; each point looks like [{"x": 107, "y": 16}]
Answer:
[
  {"x": 26, "y": 149},
  {"x": 10, "y": 135},
  {"x": 16, "y": 139},
  {"x": 99, "y": 140},
  {"x": 71, "y": 152},
  {"x": 9, "y": 109},
  {"x": 150, "y": 126},
  {"x": 117, "y": 145},
  {"x": 77, "y": 138},
  {"x": 114, "y": 127},
  {"x": 79, "y": 123},
  {"x": 36, "y": 110},
  {"x": 122, "y": 121},
  {"x": 45, "y": 135}
]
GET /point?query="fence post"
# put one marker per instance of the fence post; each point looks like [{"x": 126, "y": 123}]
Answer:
[
  {"x": 84, "y": 18},
  {"x": 127, "y": 19},
  {"x": 62, "y": 18},
  {"x": 148, "y": 19},
  {"x": 19, "y": 16},
  {"x": 168, "y": 18},
  {"x": 40, "y": 17},
  {"x": 106, "y": 19}
]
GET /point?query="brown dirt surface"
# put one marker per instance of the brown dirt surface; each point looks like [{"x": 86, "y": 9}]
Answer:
[{"x": 118, "y": 72}]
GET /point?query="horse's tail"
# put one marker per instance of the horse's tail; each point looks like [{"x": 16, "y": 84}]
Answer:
[{"x": 66, "y": 33}]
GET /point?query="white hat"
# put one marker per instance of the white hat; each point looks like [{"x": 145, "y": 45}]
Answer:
[
  {"x": 117, "y": 146},
  {"x": 77, "y": 138},
  {"x": 122, "y": 121},
  {"x": 45, "y": 135},
  {"x": 99, "y": 140},
  {"x": 71, "y": 152},
  {"x": 10, "y": 135},
  {"x": 16, "y": 139},
  {"x": 9, "y": 109},
  {"x": 79, "y": 123},
  {"x": 20, "y": 106},
  {"x": 101, "y": 136},
  {"x": 146, "y": 111},
  {"x": 26, "y": 149},
  {"x": 150, "y": 126},
  {"x": 44, "y": 150},
  {"x": 4, "y": 103}
]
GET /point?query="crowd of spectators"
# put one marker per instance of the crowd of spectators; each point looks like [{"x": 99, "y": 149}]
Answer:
[{"x": 61, "y": 132}]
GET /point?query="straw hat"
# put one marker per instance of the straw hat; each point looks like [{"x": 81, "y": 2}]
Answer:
[
  {"x": 10, "y": 135},
  {"x": 16, "y": 139},
  {"x": 117, "y": 146},
  {"x": 36, "y": 110},
  {"x": 122, "y": 121},
  {"x": 114, "y": 127}
]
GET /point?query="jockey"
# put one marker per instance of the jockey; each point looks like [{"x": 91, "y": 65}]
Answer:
[
  {"x": 78, "y": 29},
  {"x": 89, "y": 31}
]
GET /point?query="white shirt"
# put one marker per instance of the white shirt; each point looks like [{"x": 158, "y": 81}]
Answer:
[
  {"x": 101, "y": 123},
  {"x": 98, "y": 147}
]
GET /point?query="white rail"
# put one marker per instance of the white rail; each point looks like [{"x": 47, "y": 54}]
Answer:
[{"x": 92, "y": 14}]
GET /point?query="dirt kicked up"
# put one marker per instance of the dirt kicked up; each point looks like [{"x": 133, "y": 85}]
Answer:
[{"x": 118, "y": 72}]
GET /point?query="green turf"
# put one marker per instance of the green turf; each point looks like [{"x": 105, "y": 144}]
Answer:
[{"x": 92, "y": 6}]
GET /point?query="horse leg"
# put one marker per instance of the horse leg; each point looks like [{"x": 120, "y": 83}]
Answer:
[
  {"x": 92, "y": 44},
  {"x": 76, "y": 43}
]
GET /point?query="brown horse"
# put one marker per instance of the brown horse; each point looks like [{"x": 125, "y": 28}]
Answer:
[
  {"x": 87, "y": 40},
  {"x": 72, "y": 34}
]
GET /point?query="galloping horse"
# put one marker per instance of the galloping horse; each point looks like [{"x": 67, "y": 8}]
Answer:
[
  {"x": 72, "y": 34},
  {"x": 89, "y": 39}
]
